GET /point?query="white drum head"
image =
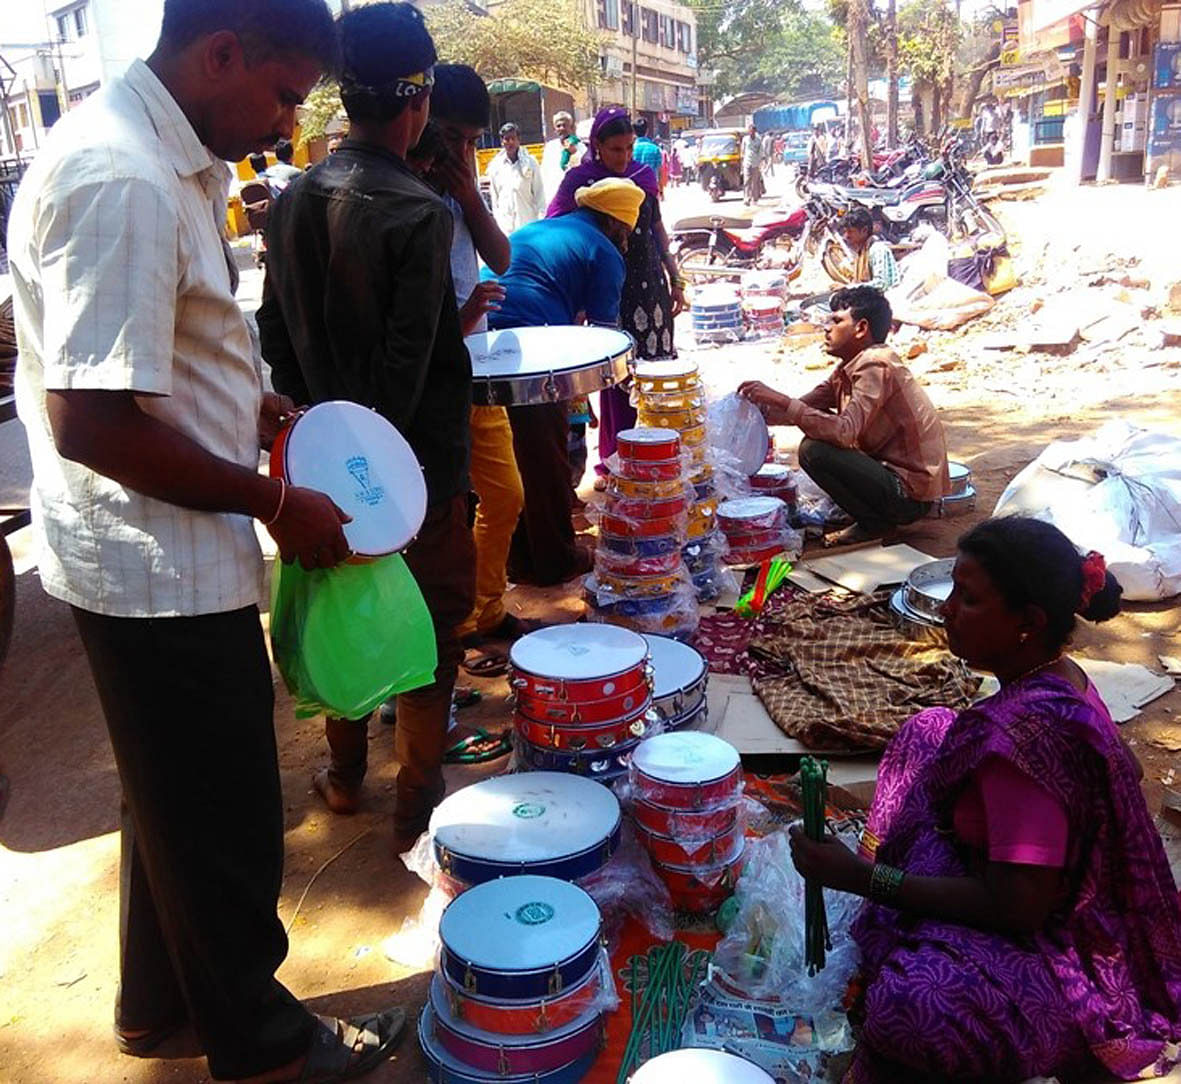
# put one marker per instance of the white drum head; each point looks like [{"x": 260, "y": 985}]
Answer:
[
  {"x": 365, "y": 465},
  {"x": 744, "y": 440},
  {"x": 535, "y": 351},
  {"x": 700, "y": 1067},
  {"x": 578, "y": 652},
  {"x": 528, "y": 817},
  {"x": 666, "y": 369},
  {"x": 675, "y": 666},
  {"x": 749, "y": 507},
  {"x": 521, "y": 923},
  {"x": 686, "y": 756},
  {"x": 958, "y": 471}
]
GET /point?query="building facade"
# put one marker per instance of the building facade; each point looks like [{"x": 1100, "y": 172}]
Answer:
[
  {"x": 649, "y": 57},
  {"x": 52, "y": 65}
]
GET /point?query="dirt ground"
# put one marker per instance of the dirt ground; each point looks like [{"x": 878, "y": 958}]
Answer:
[{"x": 344, "y": 890}]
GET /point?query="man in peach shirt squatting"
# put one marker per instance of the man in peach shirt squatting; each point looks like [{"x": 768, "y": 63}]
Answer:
[{"x": 872, "y": 440}]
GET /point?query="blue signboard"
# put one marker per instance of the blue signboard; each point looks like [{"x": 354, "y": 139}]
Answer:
[
  {"x": 1164, "y": 136},
  {"x": 1166, "y": 70}
]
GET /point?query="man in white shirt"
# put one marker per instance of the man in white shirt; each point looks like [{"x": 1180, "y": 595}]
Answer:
[
  {"x": 552, "y": 169},
  {"x": 514, "y": 179},
  {"x": 141, "y": 395}
]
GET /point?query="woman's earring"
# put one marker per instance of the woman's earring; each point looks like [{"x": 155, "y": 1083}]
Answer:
[{"x": 1023, "y": 637}]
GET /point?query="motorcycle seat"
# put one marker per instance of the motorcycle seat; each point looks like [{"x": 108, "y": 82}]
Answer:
[{"x": 707, "y": 222}]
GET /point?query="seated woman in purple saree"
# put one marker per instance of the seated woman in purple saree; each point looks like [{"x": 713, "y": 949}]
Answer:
[{"x": 978, "y": 969}]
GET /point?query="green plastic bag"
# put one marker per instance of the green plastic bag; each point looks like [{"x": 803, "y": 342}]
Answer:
[{"x": 348, "y": 638}]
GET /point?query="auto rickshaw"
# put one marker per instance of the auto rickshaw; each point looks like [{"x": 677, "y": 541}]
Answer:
[{"x": 719, "y": 162}]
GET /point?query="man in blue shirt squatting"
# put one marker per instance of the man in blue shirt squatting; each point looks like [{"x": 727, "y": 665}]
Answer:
[{"x": 564, "y": 270}]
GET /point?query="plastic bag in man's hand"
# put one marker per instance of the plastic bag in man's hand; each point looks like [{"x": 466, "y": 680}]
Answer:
[{"x": 348, "y": 638}]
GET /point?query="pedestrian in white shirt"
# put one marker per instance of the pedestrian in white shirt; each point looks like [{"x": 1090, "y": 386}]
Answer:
[
  {"x": 141, "y": 395},
  {"x": 560, "y": 154},
  {"x": 514, "y": 178}
]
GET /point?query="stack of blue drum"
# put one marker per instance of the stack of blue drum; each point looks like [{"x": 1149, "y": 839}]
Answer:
[
  {"x": 716, "y": 313},
  {"x": 521, "y": 987}
]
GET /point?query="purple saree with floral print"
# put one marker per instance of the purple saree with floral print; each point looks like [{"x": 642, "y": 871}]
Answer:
[{"x": 1098, "y": 988}]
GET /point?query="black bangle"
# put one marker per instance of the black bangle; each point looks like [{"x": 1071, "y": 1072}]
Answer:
[{"x": 885, "y": 882}]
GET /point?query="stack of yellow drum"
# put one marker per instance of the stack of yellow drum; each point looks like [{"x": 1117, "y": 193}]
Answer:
[{"x": 668, "y": 395}]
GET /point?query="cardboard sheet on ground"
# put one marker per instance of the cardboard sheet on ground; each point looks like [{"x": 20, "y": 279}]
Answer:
[
  {"x": 1125, "y": 686},
  {"x": 865, "y": 570}
]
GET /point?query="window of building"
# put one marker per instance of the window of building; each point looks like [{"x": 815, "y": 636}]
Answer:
[
  {"x": 64, "y": 24},
  {"x": 650, "y": 26},
  {"x": 668, "y": 32},
  {"x": 684, "y": 38},
  {"x": 629, "y": 17},
  {"x": 608, "y": 11},
  {"x": 80, "y": 21},
  {"x": 24, "y": 115}
]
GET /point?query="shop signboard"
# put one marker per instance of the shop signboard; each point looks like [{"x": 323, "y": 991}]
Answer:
[
  {"x": 1164, "y": 139},
  {"x": 1166, "y": 69}
]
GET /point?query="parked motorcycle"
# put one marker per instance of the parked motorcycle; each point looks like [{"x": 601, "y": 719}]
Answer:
[{"x": 714, "y": 246}]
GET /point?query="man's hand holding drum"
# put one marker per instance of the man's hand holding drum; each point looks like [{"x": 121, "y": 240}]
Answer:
[{"x": 772, "y": 405}]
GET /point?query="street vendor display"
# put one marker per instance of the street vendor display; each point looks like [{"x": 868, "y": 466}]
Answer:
[
  {"x": 543, "y": 823},
  {"x": 525, "y": 366},
  {"x": 583, "y": 698},
  {"x": 668, "y": 394},
  {"x": 687, "y": 782},
  {"x": 639, "y": 579},
  {"x": 521, "y": 984}
]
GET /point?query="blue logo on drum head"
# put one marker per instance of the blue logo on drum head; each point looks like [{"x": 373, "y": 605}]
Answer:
[
  {"x": 528, "y": 810},
  {"x": 358, "y": 467},
  {"x": 534, "y": 914}
]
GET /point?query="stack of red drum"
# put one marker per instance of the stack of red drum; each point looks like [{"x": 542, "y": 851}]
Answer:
[
  {"x": 756, "y": 529},
  {"x": 687, "y": 804},
  {"x": 639, "y": 579},
  {"x": 776, "y": 480},
  {"x": 521, "y": 986},
  {"x": 583, "y": 699}
]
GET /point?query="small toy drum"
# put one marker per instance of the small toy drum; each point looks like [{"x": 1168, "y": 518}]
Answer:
[
  {"x": 754, "y": 555},
  {"x": 584, "y": 712},
  {"x": 614, "y": 565},
  {"x": 619, "y": 486},
  {"x": 700, "y": 1067},
  {"x": 702, "y": 889},
  {"x": 702, "y": 517},
  {"x": 694, "y": 437},
  {"x": 648, "y": 445},
  {"x": 652, "y": 470},
  {"x": 645, "y": 508},
  {"x": 364, "y": 464},
  {"x": 747, "y": 514},
  {"x": 535, "y": 823},
  {"x": 506, "y": 1055},
  {"x": 617, "y": 525},
  {"x": 684, "y": 822},
  {"x": 690, "y": 852},
  {"x": 686, "y": 770},
  {"x": 572, "y": 738},
  {"x": 774, "y": 480},
  {"x": 612, "y": 605},
  {"x": 666, "y": 402},
  {"x": 625, "y": 546},
  {"x": 504, "y": 1017},
  {"x": 578, "y": 663},
  {"x": 666, "y": 375},
  {"x": 679, "y": 678},
  {"x": 671, "y": 419},
  {"x": 601, "y": 765},
  {"x": 638, "y": 586}
]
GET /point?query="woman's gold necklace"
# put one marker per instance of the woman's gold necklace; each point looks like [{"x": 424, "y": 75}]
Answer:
[{"x": 1038, "y": 669}]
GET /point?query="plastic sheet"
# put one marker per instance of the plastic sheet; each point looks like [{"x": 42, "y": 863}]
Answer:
[
  {"x": 738, "y": 435},
  {"x": 348, "y": 638},
  {"x": 762, "y": 953}
]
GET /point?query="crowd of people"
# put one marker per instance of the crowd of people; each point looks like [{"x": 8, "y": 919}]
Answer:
[{"x": 143, "y": 395}]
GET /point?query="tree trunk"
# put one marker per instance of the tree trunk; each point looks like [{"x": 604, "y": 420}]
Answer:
[
  {"x": 891, "y": 49},
  {"x": 849, "y": 95},
  {"x": 976, "y": 80},
  {"x": 936, "y": 110},
  {"x": 859, "y": 47}
]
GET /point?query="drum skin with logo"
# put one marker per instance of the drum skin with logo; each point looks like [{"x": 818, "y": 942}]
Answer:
[
  {"x": 579, "y": 662},
  {"x": 364, "y": 464},
  {"x": 543, "y": 823},
  {"x": 521, "y": 938}
]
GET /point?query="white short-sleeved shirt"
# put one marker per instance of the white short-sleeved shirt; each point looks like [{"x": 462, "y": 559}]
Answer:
[{"x": 121, "y": 283}]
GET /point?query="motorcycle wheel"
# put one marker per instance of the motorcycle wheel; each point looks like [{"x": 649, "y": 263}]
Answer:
[
  {"x": 836, "y": 262},
  {"x": 697, "y": 258},
  {"x": 7, "y": 597}
]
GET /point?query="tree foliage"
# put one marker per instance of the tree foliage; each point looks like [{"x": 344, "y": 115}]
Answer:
[
  {"x": 545, "y": 40},
  {"x": 928, "y": 38},
  {"x": 776, "y": 47}
]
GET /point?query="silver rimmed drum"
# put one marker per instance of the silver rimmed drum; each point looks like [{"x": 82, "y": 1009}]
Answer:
[{"x": 526, "y": 366}]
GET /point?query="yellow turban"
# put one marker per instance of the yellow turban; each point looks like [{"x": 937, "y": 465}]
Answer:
[{"x": 614, "y": 196}]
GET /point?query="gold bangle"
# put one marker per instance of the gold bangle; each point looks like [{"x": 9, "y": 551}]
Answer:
[{"x": 282, "y": 501}]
